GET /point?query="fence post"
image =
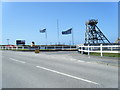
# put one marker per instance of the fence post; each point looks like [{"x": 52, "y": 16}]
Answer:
[
  {"x": 88, "y": 50},
  {"x": 101, "y": 50},
  {"x": 54, "y": 47},
  {"x": 111, "y": 48},
  {"x": 22, "y": 47},
  {"x": 8, "y": 48},
  {"x": 81, "y": 50},
  {"x": 70, "y": 47},
  {"x": 62, "y": 48},
  {"x": 12, "y": 48},
  {"x": 16, "y": 47},
  {"x": 39, "y": 47}
]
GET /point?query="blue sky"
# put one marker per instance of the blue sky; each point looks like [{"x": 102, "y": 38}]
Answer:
[{"x": 22, "y": 20}]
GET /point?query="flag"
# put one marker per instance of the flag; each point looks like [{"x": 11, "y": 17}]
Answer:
[
  {"x": 67, "y": 32},
  {"x": 43, "y": 31}
]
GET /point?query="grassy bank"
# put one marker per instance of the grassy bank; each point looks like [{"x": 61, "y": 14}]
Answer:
[{"x": 106, "y": 54}]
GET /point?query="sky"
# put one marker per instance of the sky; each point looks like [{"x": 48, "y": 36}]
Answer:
[{"x": 23, "y": 20}]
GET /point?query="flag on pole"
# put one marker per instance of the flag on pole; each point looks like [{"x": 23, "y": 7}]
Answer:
[
  {"x": 67, "y": 32},
  {"x": 43, "y": 31}
]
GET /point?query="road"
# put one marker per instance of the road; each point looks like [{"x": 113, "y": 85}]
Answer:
[{"x": 55, "y": 70}]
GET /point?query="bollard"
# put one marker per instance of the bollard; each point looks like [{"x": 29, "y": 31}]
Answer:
[{"x": 37, "y": 51}]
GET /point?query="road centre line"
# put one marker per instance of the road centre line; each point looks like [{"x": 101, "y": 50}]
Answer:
[
  {"x": 17, "y": 60},
  {"x": 85, "y": 80}
]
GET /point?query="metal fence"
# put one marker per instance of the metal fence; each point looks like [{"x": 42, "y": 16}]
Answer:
[
  {"x": 38, "y": 47},
  {"x": 99, "y": 49}
]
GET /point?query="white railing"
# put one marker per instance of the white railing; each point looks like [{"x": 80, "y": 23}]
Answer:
[
  {"x": 99, "y": 49},
  {"x": 39, "y": 47}
]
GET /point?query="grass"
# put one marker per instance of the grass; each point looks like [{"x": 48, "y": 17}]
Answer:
[{"x": 106, "y": 54}]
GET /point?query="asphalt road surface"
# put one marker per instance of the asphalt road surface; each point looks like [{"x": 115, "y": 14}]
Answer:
[{"x": 55, "y": 70}]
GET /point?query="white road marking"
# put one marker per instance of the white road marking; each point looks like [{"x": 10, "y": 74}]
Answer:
[
  {"x": 77, "y": 60},
  {"x": 73, "y": 59},
  {"x": 17, "y": 60},
  {"x": 88, "y": 62},
  {"x": 80, "y": 61},
  {"x": 67, "y": 75}
]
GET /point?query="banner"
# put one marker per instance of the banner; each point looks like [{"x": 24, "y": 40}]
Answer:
[
  {"x": 43, "y": 31},
  {"x": 67, "y": 32}
]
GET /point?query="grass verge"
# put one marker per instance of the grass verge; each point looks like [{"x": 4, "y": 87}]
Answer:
[{"x": 106, "y": 54}]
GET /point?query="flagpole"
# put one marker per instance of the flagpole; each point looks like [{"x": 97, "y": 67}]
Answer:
[
  {"x": 46, "y": 36},
  {"x": 58, "y": 30},
  {"x": 72, "y": 37}
]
